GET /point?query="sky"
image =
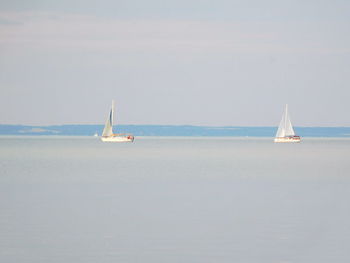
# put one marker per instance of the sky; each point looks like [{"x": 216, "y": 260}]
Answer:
[{"x": 175, "y": 62}]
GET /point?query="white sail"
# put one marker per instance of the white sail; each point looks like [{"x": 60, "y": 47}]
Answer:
[
  {"x": 285, "y": 128},
  {"x": 281, "y": 132},
  {"x": 108, "y": 129},
  {"x": 289, "y": 127}
]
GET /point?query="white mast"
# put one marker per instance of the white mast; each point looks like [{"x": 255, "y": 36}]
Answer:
[
  {"x": 112, "y": 113},
  {"x": 285, "y": 117}
]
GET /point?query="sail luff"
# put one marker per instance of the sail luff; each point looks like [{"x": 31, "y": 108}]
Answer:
[
  {"x": 281, "y": 132},
  {"x": 108, "y": 129}
]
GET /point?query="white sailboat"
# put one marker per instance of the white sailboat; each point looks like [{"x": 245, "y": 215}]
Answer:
[
  {"x": 109, "y": 136},
  {"x": 285, "y": 132}
]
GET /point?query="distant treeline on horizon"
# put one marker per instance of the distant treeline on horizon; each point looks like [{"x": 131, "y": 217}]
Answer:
[{"x": 170, "y": 130}]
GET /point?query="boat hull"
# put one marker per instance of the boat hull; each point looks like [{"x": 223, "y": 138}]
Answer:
[
  {"x": 288, "y": 139},
  {"x": 118, "y": 138}
]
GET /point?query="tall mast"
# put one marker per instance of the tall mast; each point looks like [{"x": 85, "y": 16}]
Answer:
[
  {"x": 286, "y": 117},
  {"x": 112, "y": 117}
]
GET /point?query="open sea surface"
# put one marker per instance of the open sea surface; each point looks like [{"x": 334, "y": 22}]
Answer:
[{"x": 174, "y": 200}]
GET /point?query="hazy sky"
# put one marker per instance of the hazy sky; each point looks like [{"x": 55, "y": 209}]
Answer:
[{"x": 199, "y": 62}]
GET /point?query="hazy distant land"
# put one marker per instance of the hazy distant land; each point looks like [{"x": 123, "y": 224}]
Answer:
[{"x": 170, "y": 130}]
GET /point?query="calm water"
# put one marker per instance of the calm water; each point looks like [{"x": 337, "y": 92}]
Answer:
[{"x": 174, "y": 200}]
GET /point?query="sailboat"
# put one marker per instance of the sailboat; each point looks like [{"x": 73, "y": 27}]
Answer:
[
  {"x": 285, "y": 132},
  {"x": 109, "y": 136}
]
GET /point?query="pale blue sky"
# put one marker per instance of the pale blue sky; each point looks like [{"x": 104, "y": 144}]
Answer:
[{"x": 175, "y": 62}]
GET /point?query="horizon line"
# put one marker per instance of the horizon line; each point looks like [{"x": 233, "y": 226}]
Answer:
[{"x": 175, "y": 125}]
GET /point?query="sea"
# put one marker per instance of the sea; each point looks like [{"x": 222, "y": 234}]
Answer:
[{"x": 174, "y": 200}]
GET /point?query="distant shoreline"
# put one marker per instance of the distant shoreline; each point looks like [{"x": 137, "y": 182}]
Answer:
[{"x": 170, "y": 130}]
